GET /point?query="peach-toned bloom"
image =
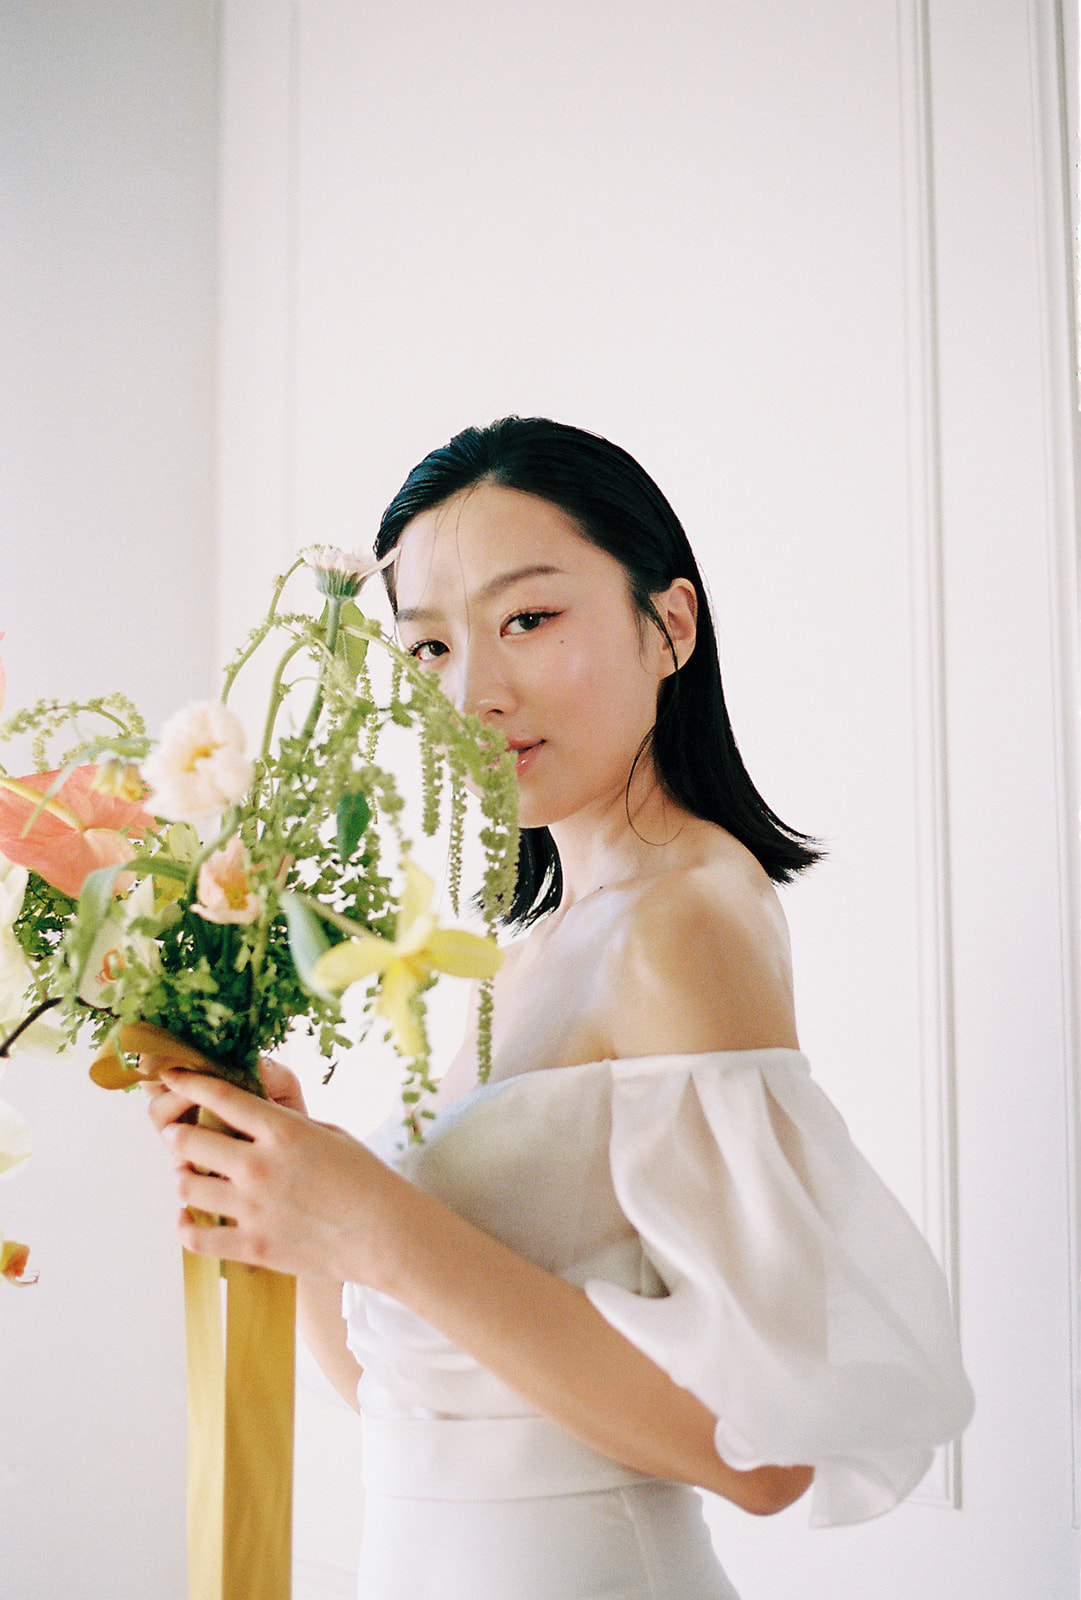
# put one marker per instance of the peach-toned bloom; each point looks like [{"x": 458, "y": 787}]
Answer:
[
  {"x": 13, "y": 1259},
  {"x": 77, "y": 830},
  {"x": 199, "y": 766},
  {"x": 341, "y": 573},
  {"x": 225, "y": 886}
]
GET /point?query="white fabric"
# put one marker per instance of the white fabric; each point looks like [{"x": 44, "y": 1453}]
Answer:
[
  {"x": 645, "y": 1542},
  {"x": 716, "y": 1212},
  {"x": 483, "y": 1458}
]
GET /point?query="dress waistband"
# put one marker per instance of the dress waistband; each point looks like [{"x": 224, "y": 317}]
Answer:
[{"x": 482, "y": 1458}]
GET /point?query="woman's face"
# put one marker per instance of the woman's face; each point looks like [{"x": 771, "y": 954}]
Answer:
[{"x": 532, "y": 627}]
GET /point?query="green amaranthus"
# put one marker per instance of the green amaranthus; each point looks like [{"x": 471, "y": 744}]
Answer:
[{"x": 301, "y": 881}]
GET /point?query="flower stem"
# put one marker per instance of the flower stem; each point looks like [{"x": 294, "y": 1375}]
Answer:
[
  {"x": 334, "y": 612},
  {"x": 257, "y": 955},
  {"x": 233, "y": 669},
  {"x": 276, "y": 697},
  {"x": 228, "y": 828},
  {"x": 27, "y": 1022}
]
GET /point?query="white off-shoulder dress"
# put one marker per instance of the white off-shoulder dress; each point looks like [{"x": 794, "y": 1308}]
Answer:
[{"x": 716, "y": 1212}]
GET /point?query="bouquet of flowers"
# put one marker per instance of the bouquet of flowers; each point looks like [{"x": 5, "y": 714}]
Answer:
[{"x": 188, "y": 886}]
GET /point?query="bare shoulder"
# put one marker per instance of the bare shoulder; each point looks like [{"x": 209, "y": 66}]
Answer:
[{"x": 703, "y": 962}]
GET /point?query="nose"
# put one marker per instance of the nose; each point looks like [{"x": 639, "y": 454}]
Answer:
[{"x": 478, "y": 680}]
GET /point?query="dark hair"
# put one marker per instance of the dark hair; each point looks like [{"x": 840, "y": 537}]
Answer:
[{"x": 619, "y": 508}]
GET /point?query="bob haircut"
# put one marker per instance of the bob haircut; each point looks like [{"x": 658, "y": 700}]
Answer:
[{"x": 616, "y": 506}]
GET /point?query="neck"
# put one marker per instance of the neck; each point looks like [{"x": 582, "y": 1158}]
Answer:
[{"x": 627, "y": 840}]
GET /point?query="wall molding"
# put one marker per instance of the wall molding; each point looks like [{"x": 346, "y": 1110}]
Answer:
[
  {"x": 942, "y": 1486},
  {"x": 1055, "y": 149}
]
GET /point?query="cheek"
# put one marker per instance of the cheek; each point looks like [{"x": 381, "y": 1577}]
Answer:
[
  {"x": 597, "y": 674},
  {"x": 575, "y": 668},
  {"x": 579, "y": 686}
]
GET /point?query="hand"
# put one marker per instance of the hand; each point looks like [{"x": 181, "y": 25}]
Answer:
[
  {"x": 169, "y": 1104},
  {"x": 299, "y": 1196}
]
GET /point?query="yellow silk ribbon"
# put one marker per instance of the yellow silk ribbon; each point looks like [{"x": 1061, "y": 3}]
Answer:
[
  {"x": 240, "y": 1397},
  {"x": 240, "y": 1426}
]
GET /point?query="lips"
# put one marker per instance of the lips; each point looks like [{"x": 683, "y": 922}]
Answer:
[{"x": 525, "y": 753}]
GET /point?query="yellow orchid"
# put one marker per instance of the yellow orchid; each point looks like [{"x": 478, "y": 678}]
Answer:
[{"x": 404, "y": 962}]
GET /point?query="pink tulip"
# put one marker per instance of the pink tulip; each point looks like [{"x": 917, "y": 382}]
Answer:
[{"x": 79, "y": 829}]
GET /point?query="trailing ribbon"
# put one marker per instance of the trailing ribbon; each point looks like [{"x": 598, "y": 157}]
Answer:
[
  {"x": 240, "y": 1427},
  {"x": 240, "y": 1396}
]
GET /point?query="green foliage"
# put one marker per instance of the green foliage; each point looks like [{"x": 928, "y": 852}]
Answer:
[
  {"x": 124, "y": 731},
  {"x": 324, "y": 848},
  {"x": 44, "y": 915}
]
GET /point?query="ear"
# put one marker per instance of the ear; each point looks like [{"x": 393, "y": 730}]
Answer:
[{"x": 677, "y": 607}]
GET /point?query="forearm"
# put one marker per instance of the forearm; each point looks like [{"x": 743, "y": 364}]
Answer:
[
  {"x": 322, "y": 1327},
  {"x": 306, "y": 1199},
  {"x": 543, "y": 1337}
]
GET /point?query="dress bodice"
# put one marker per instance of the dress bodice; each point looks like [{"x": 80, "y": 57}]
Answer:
[{"x": 715, "y": 1211}]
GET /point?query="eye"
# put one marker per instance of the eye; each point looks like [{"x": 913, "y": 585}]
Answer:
[
  {"x": 528, "y": 621},
  {"x": 427, "y": 651}
]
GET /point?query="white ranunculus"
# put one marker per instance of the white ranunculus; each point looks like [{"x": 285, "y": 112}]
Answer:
[
  {"x": 16, "y": 1142},
  {"x": 198, "y": 767}
]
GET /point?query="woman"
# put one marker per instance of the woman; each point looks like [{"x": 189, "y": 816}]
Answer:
[{"x": 644, "y": 1255}]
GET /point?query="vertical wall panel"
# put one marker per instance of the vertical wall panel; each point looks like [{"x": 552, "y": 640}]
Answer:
[
  {"x": 803, "y": 262},
  {"x": 108, "y": 145}
]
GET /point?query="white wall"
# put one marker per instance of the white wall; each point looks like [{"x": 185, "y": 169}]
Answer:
[
  {"x": 806, "y": 262},
  {"x": 108, "y": 138},
  {"x": 809, "y": 264}
]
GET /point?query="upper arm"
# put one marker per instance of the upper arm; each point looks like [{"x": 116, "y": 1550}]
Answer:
[
  {"x": 703, "y": 966},
  {"x": 322, "y": 1326}
]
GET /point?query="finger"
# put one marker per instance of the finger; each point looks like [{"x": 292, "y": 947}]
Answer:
[
  {"x": 281, "y": 1085},
  {"x": 274, "y": 1076},
  {"x": 208, "y": 1148},
  {"x": 224, "y": 1243},
  {"x": 207, "y": 1193},
  {"x": 243, "y": 1111},
  {"x": 152, "y": 1066},
  {"x": 165, "y": 1107}
]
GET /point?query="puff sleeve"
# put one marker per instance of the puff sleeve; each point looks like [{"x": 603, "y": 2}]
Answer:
[{"x": 802, "y": 1306}]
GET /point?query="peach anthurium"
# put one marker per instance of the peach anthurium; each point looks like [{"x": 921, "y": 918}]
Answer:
[
  {"x": 78, "y": 829},
  {"x": 404, "y": 962}
]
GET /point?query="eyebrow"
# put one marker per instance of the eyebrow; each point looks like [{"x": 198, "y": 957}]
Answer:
[{"x": 487, "y": 591}]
